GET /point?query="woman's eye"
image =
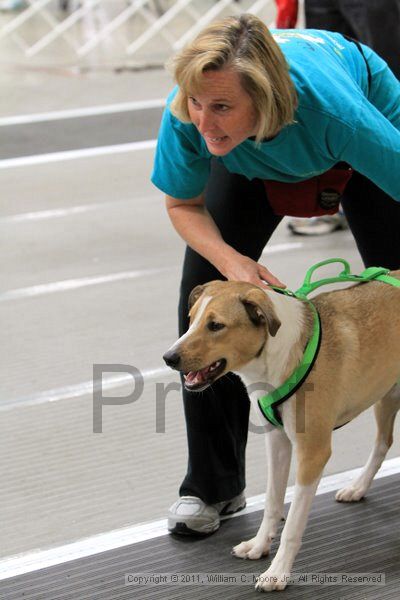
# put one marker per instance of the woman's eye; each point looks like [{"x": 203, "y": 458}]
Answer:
[
  {"x": 222, "y": 107},
  {"x": 214, "y": 326},
  {"x": 193, "y": 101}
]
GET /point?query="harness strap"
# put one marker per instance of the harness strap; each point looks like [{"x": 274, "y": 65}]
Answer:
[
  {"x": 389, "y": 279},
  {"x": 268, "y": 404}
]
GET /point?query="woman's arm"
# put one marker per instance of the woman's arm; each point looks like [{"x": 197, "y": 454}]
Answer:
[{"x": 195, "y": 225}]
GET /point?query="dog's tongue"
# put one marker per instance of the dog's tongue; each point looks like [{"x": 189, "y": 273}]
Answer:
[{"x": 194, "y": 377}]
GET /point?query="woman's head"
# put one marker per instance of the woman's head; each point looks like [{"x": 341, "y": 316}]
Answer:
[{"x": 236, "y": 57}]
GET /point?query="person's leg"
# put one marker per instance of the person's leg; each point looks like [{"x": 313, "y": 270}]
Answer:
[
  {"x": 376, "y": 23},
  {"x": 217, "y": 418},
  {"x": 328, "y": 15},
  {"x": 385, "y": 35},
  {"x": 374, "y": 219}
]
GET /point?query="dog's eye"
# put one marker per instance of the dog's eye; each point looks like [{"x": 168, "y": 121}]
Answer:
[{"x": 214, "y": 326}]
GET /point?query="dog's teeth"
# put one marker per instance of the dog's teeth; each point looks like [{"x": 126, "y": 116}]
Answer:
[{"x": 215, "y": 365}]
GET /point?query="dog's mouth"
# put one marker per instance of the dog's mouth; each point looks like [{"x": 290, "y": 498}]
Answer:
[{"x": 196, "y": 381}]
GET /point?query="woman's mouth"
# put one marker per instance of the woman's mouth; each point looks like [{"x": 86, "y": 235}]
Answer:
[{"x": 217, "y": 140}]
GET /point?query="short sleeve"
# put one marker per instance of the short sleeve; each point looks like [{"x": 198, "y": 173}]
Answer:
[{"x": 182, "y": 164}]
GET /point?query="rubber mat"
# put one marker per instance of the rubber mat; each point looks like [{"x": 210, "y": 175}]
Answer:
[{"x": 339, "y": 539}]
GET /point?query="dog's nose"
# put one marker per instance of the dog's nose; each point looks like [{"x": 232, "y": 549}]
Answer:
[{"x": 172, "y": 359}]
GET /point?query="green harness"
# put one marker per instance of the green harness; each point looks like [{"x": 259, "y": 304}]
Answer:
[{"x": 268, "y": 404}]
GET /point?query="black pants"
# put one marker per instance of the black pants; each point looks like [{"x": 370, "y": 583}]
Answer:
[
  {"x": 375, "y": 23},
  {"x": 217, "y": 418}
]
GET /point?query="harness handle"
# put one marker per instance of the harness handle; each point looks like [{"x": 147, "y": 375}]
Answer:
[{"x": 344, "y": 276}]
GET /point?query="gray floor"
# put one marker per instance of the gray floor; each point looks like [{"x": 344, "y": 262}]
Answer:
[
  {"x": 61, "y": 135},
  {"x": 340, "y": 540},
  {"x": 111, "y": 238}
]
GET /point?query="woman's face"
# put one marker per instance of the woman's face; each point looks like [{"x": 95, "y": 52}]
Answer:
[{"x": 222, "y": 111}]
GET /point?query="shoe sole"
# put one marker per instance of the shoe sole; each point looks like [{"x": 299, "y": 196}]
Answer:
[
  {"x": 181, "y": 528},
  {"x": 226, "y": 512}
]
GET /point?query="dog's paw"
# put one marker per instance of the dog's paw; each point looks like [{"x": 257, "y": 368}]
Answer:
[
  {"x": 351, "y": 493},
  {"x": 253, "y": 549},
  {"x": 270, "y": 581}
]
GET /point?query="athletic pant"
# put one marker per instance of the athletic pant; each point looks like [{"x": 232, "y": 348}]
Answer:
[{"x": 217, "y": 418}]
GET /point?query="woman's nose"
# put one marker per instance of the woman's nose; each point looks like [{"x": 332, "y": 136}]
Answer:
[{"x": 205, "y": 122}]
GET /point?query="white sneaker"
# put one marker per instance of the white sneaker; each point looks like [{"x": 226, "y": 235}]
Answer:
[
  {"x": 189, "y": 515},
  {"x": 318, "y": 225},
  {"x": 10, "y": 5}
]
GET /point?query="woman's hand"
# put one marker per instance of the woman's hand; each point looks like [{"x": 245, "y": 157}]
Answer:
[{"x": 243, "y": 268}]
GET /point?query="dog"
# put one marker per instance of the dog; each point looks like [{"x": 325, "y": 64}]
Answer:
[{"x": 260, "y": 335}]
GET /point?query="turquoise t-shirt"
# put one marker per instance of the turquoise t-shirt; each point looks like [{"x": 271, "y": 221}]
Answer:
[{"x": 340, "y": 117}]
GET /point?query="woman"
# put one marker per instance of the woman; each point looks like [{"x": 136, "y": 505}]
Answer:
[{"x": 251, "y": 133}]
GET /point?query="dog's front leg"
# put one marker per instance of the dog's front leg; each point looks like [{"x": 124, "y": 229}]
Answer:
[
  {"x": 279, "y": 449},
  {"x": 310, "y": 466},
  {"x": 277, "y": 575}
]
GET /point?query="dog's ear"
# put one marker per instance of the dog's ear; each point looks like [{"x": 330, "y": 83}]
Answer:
[
  {"x": 260, "y": 310},
  {"x": 195, "y": 295},
  {"x": 197, "y": 292}
]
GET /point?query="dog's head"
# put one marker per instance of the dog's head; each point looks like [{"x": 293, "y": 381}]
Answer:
[{"x": 230, "y": 323}]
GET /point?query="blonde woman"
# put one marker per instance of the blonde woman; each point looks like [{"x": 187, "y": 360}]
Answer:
[{"x": 260, "y": 126}]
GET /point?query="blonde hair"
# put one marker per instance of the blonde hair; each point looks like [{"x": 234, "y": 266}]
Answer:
[{"x": 245, "y": 44}]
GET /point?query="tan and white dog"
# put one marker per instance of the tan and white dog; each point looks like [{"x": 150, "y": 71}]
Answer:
[{"x": 261, "y": 336}]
